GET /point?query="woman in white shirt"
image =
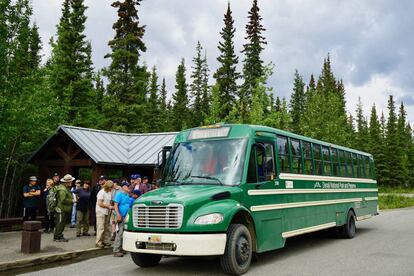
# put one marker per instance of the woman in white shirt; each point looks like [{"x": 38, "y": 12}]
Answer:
[{"x": 103, "y": 213}]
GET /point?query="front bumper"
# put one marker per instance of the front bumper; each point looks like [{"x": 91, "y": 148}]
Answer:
[{"x": 175, "y": 244}]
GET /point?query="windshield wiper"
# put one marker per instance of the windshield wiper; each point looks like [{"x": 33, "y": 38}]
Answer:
[{"x": 208, "y": 177}]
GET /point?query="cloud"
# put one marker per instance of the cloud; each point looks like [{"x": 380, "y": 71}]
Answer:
[{"x": 370, "y": 42}]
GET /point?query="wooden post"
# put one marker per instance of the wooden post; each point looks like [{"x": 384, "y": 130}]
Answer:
[
  {"x": 31, "y": 237},
  {"x": 97, "y": 171}
]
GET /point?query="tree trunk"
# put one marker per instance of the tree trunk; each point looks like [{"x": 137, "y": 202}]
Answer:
[
  {"x": 12, "y": 203},
  {"x": 3, "y": 187}
]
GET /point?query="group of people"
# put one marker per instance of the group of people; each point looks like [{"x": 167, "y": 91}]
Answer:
[{"x": 109, "y": 202}]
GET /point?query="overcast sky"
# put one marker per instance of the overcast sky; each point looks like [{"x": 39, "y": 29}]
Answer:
[{"x": 370, "y": 42}]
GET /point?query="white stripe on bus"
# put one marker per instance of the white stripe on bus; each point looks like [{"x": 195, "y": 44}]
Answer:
[
  {"x": 292, "y": 176},
  {"x": 308, "y": 230},
  {"x": 307, "y": 191},
  {"x": 371, "y": 198},
  {"x": 302, "y": 204}
]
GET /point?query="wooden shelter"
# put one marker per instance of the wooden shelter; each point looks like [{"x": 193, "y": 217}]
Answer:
[{"x": 88, "y": 153}]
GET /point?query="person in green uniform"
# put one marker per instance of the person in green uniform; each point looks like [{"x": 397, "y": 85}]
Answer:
[{"x": 63, "y": 207}]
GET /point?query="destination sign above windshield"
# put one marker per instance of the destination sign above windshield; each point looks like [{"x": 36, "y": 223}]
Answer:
[{"x": 209, "y": 133}]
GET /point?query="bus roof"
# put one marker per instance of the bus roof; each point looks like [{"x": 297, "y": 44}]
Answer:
[{"x": 245, "y": 130}]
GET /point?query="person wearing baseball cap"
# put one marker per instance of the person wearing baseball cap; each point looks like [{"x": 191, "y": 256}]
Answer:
[
  {"x": 56, "y": 178},
  {"x": 63, "y": 206},
  {"x": 31, "y": 199},
  {"x": 121, "y": 204}
]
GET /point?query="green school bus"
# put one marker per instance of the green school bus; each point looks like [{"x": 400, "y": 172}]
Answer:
[{"x": 237, "y": 190}]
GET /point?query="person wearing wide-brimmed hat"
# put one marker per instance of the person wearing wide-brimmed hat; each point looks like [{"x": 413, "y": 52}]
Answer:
[{"x": 63, "y": 207}]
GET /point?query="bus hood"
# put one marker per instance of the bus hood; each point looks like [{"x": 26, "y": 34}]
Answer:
[{"x": 188, "y": 194}]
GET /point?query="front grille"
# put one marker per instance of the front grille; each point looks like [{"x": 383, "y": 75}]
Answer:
[{"x": 168, "y": 216}]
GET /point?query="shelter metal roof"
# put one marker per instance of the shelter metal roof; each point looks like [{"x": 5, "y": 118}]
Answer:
[{"x": 106, "y": 147}]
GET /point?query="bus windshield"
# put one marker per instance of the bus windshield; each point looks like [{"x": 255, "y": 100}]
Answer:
[{"x": 214, "y": 162}]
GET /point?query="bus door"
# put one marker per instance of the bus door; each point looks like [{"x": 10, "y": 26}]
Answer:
[
  {"x": 261, "y": 185},
  {"x": 261, "y": 174}
]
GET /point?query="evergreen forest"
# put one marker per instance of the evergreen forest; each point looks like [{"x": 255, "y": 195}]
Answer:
[{"x": 130, "y": 96}]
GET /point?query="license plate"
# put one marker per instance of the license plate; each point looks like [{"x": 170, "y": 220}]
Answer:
[{"x": 154, "y": 239}]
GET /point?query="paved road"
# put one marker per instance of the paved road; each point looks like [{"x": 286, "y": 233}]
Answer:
[{"x": 383, "y": 245}]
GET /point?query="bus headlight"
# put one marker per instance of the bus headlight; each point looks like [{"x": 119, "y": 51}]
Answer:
[
  {"x": 213, "y": 218},
  {"x": 126, "y": 220}
]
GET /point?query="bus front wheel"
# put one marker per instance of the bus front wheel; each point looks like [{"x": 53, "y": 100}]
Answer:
[
  {"x": 145, "y": 260},
  {"x": 347, "y": 231},
  {"x": 238, "y": 252}
]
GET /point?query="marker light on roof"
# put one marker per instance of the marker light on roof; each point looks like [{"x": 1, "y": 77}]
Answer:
[{"x": 209, "y": 133}]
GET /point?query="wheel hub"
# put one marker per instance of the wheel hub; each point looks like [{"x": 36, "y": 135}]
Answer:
[{"x": 242, "y": 250}]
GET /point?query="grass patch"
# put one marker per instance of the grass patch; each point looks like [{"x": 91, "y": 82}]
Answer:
[
  {"x": 392, "y": 201},
  {"x": 395, "y": 190}
]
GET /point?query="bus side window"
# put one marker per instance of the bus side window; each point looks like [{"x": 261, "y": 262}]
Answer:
[
  {"x": 361, "y": 167},
  {"x": 342, "y": 163},
  {"x": 367, "y": 171},
  {"x": 306, "y": 148},
  {"x": 355, "y": 164},
  {"x": 349, "y": 166},
  {"x": 326, "y": 161},
  {"x": 296, "y": 156},
  {"x": 283, "y": 150},
  {"x": 252, "y": 172},
  {"x": 336, "y": 167},
  {"x": 371, "y": 168},
  {"x": 317, "y": 158}
]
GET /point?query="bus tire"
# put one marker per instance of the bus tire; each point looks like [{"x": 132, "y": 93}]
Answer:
[
  {"x": 347, "y": 231},
  {"x": 145, "y": 260},
  {"x": 238, "y": 251}
]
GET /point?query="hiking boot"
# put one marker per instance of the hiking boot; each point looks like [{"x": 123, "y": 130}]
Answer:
[
  {"x": 78, "y": 235},
  {"x": 61, "y": 240},
  {"x": 100, "y": 246},
  {"x": 118, "y": 254},
  {"x": 86, "y": 234}
]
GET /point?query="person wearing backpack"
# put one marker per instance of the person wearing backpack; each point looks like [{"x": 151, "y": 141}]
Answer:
[
  {"x": 49, "y": 214},
  {"x": 64, "y": 201}
]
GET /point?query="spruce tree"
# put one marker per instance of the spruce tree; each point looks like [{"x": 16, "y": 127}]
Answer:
[
  {"x": 297, "y": 103},
  {"x": 393, "y": 150},
  {"x": 35, "y": 45},
  {"x": 325, "y": 117},
  {"x": 197, "y": 86},
  {"x": 71, "y": 72},
  {"x": 226, "y": 75},
  {"x": 128, "y": 81},
  {"x": 214, "y": 115},
  {"x": 383, "y": 133},
  {"x": 376, "y": 145},
  {"x": 410, "y": 157},
  {"x": 99, "y": 92},
  {"x": 402, "y": 143},
  {"x": 163, "y": 108},
  {"x": 361, "y": 138},
  {"x": 180, "y": 111},
  {"x": 206, "y": 90},
  {"x": 153, "y": 102},
  {"x": 253, "y": 67}
]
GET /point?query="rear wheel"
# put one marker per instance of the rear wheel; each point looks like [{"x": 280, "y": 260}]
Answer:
[
  {"x": 238, "y": 252},
  {"x": 145, "y": 260},
  {"x": 347, "y": 231}
]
